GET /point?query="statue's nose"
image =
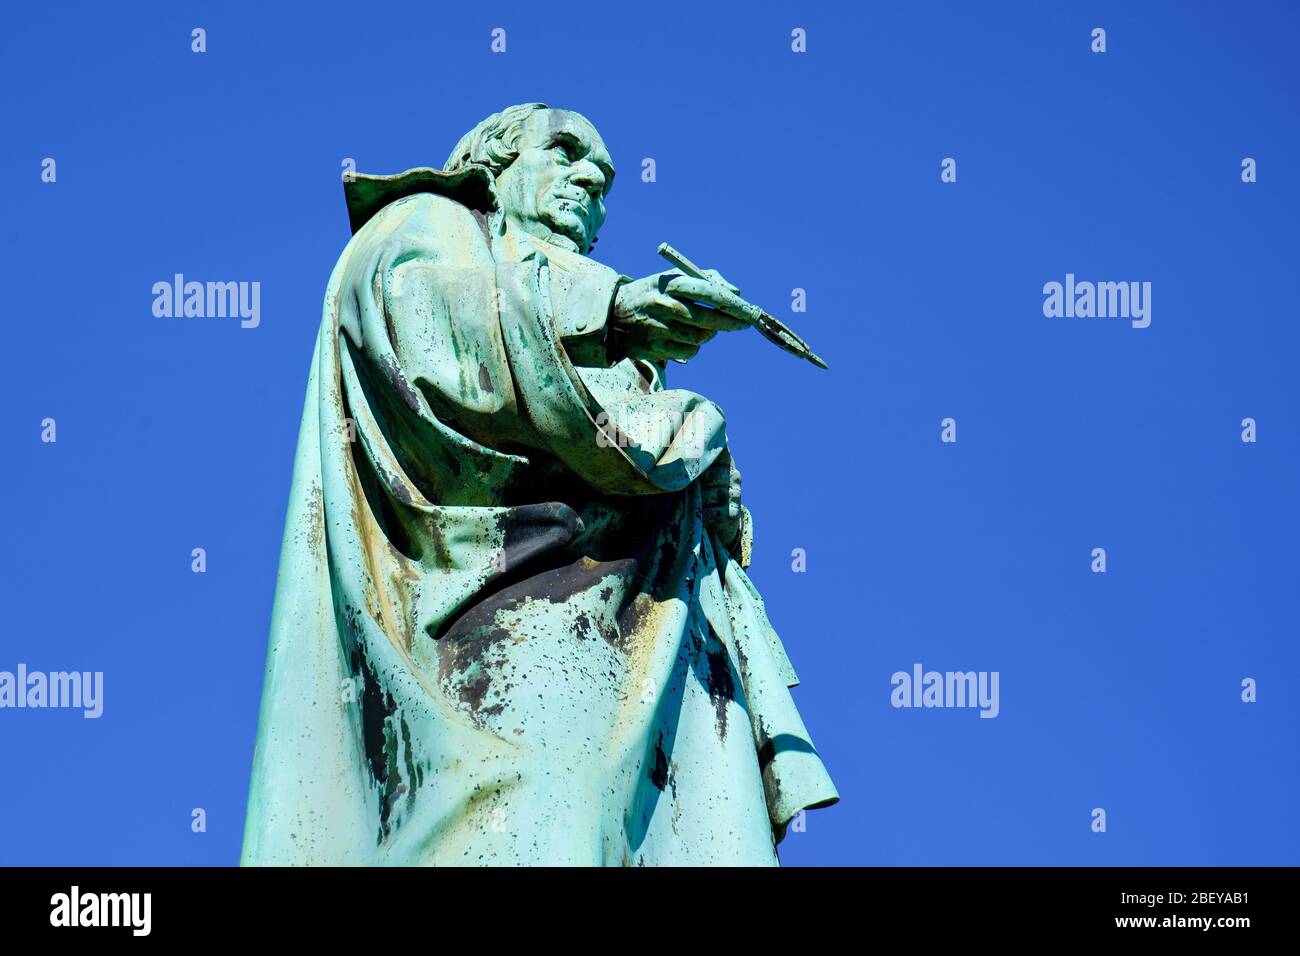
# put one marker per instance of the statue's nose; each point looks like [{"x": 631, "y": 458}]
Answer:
[{"x": 589, "y": 177}]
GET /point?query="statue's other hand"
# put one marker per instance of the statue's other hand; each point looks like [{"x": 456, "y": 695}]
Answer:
[
  {"x": 667, "y": 316},
  {"x": 720, "y": 485}
]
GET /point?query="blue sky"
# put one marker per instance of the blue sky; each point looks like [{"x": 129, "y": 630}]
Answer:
[{"x": 817, "y": 171}]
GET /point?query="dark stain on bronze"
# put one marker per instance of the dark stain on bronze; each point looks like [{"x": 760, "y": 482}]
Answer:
[
  {"x": 719, "y": 681},
  {"x": 378, "y": 738},
  {"x": 659, "y": 766},
  {"x": 400, "y": 385}
]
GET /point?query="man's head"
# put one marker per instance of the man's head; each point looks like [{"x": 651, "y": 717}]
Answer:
[{"x": 551, "y": 167}]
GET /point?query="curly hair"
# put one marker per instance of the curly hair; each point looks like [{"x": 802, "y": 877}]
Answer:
[{"x": 493, "y": 142}]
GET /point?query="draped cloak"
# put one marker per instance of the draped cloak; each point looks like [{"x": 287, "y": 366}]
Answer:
[{"x": 502, "y": 633}]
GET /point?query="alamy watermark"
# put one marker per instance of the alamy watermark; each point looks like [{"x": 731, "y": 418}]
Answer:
[
  {"x": 1101, "y": 300},
  {"x": 208, "y": 300},
  {"x": 75, "y": 908},
  {"x": 76, "y": 690},
  {"x": 946, "y": 689}
]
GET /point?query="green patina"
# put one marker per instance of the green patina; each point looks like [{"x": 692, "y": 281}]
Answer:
[{"x": 512, "y": 622}]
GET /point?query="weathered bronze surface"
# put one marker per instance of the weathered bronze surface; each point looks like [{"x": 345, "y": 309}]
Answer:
[{"x": 512, "y": 623}]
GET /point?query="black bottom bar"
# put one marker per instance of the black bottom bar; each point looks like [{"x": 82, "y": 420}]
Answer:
[{"x": 341, "y": 905}]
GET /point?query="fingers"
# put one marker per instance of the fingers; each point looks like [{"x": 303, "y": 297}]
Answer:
[
  {"x": 672, "y": 349},
  {"x": 690, "y": 334},
  {"x": 716, "y": 499},
  {"x": 698, "y": 290},
  {"x": 665, "y": 308},
  {"x": 714, "y": 319},
  {"x": 726, "y": 312},
  {"x": 670, "y": 309},
  {"x": 722, "y": 500},
  {"x": 722, "y": 488},
  {"x": 659, "y": 343},
  {"x": 716, "y": 276},
  {"x": 657, "y": 325},
  {"x": 713, "y": 480},
  {"x": 675, "y": 320}
]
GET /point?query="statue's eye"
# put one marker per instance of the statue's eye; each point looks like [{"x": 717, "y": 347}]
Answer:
[{"x": 568, "y": 147}]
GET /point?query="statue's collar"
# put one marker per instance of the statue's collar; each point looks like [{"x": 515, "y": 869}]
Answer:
[{"x": 471, "y": 186}]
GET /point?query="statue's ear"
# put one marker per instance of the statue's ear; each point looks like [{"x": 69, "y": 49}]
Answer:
[{"x": 471, "y": 186}]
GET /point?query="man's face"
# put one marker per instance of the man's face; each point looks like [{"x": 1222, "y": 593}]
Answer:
[{"x": 556, "y": 188}]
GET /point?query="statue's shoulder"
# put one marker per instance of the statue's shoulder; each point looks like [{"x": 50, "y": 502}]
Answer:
[
  {"x": 420, "y": 214},
  {"x": 439, "y": 227},
  {"x": 469, "y": 188}
]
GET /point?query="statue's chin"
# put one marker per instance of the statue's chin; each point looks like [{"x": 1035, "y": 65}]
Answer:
[
  {"x": 570, "y": 236},
  {"x": 567, "y": 230},
  {"x": 563, "y": 241}
]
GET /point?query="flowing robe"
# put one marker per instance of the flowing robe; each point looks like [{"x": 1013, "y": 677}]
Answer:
[{"x": 502, "y": 633}]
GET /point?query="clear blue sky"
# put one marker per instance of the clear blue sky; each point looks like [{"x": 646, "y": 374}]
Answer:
[{"x": 820, "y": 171}]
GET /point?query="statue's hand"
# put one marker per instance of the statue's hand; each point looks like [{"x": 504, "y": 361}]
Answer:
[
  {"x": 723, "y": 514},
  {"x": 668, "y": 316}
]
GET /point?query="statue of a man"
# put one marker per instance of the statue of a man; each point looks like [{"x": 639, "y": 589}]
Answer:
[{"x": 511, "y": 623}]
